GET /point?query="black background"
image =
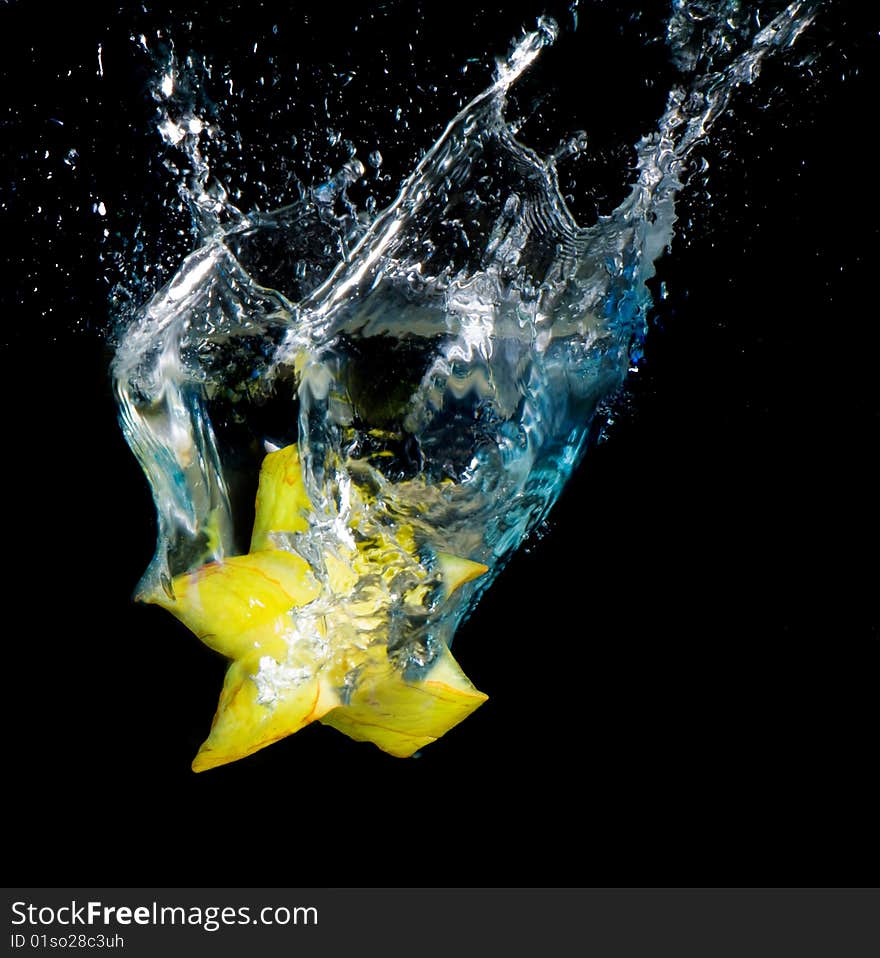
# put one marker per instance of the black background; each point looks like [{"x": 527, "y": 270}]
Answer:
[{"x": 682, "y": 668}]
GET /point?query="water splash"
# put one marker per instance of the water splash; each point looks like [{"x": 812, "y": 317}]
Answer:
[{"x": 430, "y": 377}]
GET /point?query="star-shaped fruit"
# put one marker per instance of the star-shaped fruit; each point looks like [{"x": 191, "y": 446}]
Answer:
[{"x": 310, "y": 639}]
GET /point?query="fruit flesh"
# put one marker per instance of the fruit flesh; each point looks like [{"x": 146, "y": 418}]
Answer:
[{"x": 310, "y": 643}]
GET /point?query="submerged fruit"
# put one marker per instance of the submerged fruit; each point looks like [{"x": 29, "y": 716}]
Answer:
[{"x": 317, "y": 643}]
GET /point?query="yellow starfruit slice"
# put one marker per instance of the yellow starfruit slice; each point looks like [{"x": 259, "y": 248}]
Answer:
[{"x": 291, "y": 668}]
